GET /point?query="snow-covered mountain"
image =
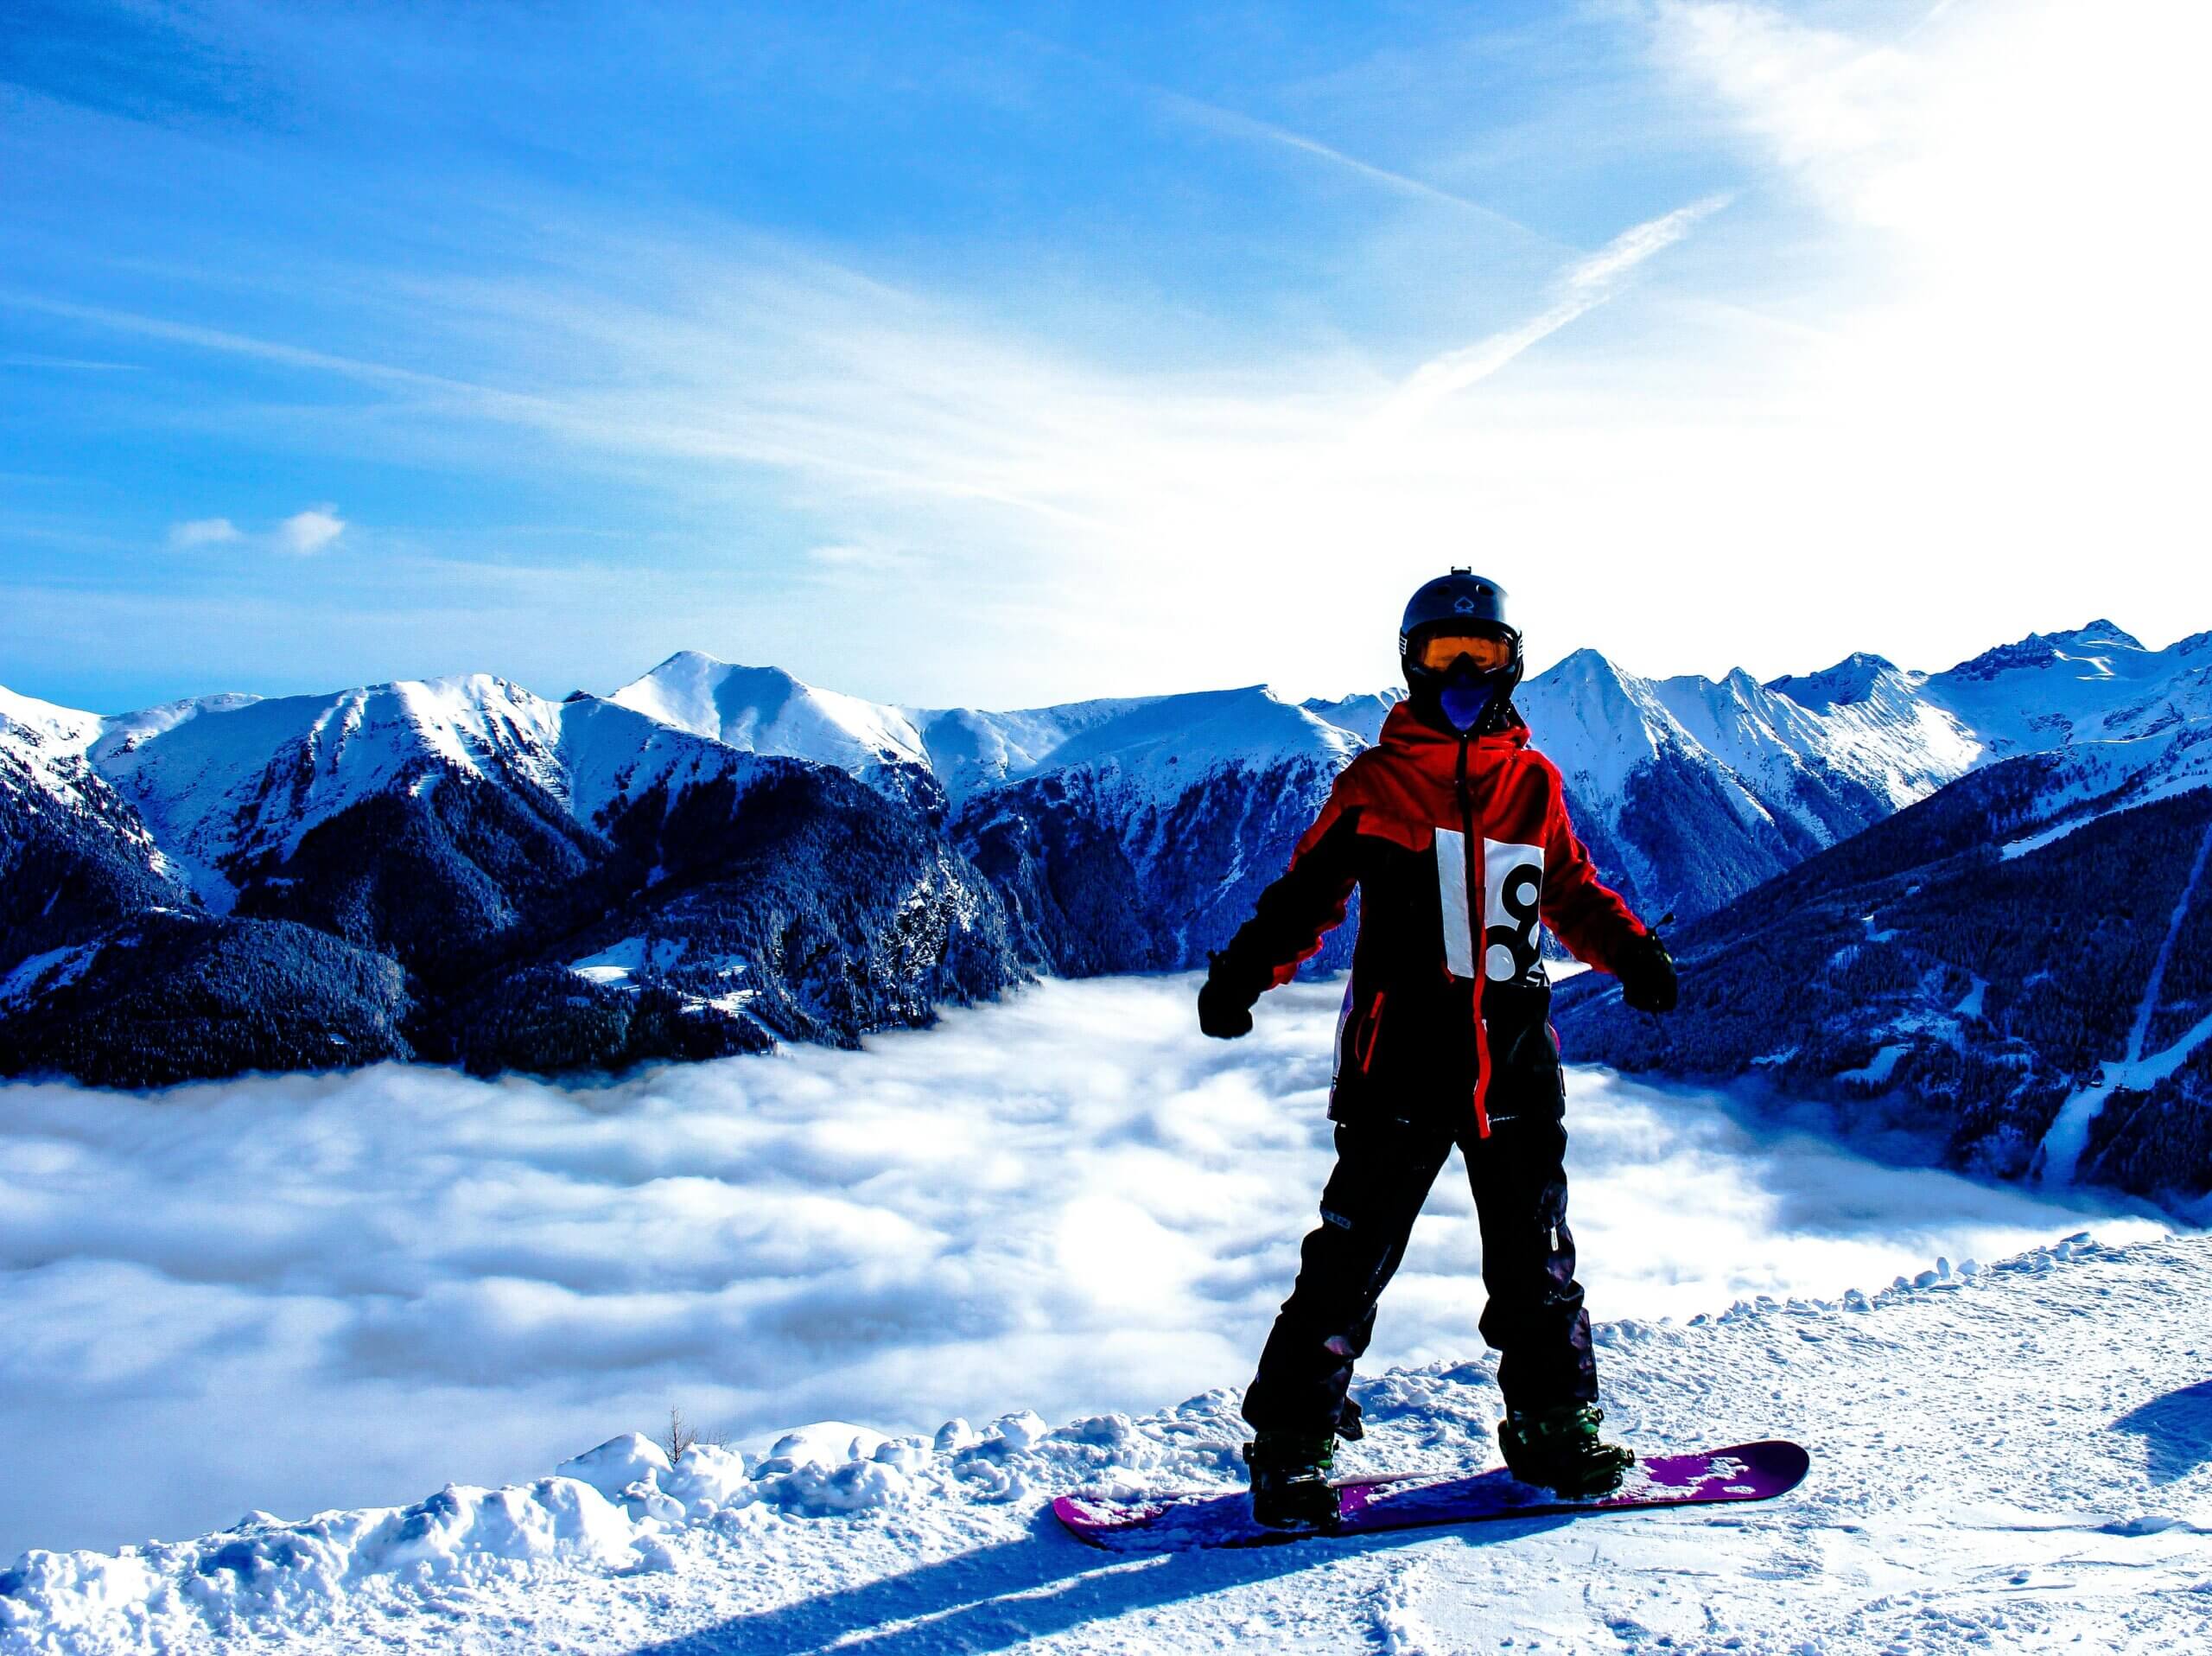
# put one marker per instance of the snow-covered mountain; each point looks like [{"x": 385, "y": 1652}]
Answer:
[
  {"x": 765, "y": 710},
  {"x": 74, "y": 856},
  {"x": 1693, "y": 790},
  {"x": 2080, "y": 1524},
  {"x": 1161, "y": 742},
  {"x": 227, "y": 784},
  {"x": 1141, "y": 839},
  {"x": 486, "y": 838},
  {"x": 1123, "y": 834},
  {"x": 2019, "y": 966},
  {"x": 1361, "y": 714},
  {"x": 2095, "y": 682},
  {"x": 45, "y": 769},
  {"x": 478, "y": 837},
  {"x": 1690, "y": 790}
]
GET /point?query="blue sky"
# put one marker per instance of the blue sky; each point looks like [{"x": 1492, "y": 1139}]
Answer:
[{"x": 1006, "y": 356}]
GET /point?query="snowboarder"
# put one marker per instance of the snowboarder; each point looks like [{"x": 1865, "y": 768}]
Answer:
[{"x": 1454, "y": 830}]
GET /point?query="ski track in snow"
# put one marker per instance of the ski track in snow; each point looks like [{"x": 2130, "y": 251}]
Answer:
[
  {"x": 2068, "y": 1135},
  {"x": 2140, "y": 1029},
  {"x": 2016, "y": 1459}
]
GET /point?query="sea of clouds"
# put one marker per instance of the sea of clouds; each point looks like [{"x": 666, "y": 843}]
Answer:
[{"x": 298, "y": 1292}]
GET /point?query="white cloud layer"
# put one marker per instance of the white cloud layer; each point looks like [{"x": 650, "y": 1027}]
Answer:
[{"x": 301, "y": 1292}]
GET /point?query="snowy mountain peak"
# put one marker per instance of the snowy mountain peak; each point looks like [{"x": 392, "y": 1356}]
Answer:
[
  {"x": 1854, "y": 678},
  {"x": 1830, "y": 752},
  {"x": 1363, "y": 715},
  {"x": 1598, "y": 723},
  {"x": 2102, "y": 632},
  {"x": 2055, "y": 690},
  {"x": 1145, "y": 751},
  {"x": 1601, "y": 688},
  {"x": 44, "y": 760},
  {"x": 766, "y": 710},
  {"x": 1203, "y": 729},
  {"x": 218, "y": 778},
  {"x": 2099, "y": 640},
  {"x": 30, "y": 721}
]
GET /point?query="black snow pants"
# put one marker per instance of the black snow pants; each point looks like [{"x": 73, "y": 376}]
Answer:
[{"x": 1534, "y": 1319}]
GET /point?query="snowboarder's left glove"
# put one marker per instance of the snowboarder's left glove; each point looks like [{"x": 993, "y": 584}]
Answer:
[
  {"x": 1646, "y": 975},
  {"x": 1221, "y": 1011}
]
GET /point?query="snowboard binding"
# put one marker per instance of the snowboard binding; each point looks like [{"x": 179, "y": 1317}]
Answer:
[
  {"x": 1559, "y": 1450},
  {"x": 1290, "y": 1479}
]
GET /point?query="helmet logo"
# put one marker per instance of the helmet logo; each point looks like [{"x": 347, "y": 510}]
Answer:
[{"x": 1464, "y": 607}]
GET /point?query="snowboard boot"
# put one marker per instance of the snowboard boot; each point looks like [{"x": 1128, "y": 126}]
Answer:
[
  {"x": 1290, "y": 1479},
  {"x": 1559, "y": 1448}
]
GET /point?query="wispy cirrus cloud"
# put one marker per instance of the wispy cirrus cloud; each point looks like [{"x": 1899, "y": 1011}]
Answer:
[
  {"x": 66, "y": 364},
  {"x": 1237, "y": 124},
  {"x": 1009, "y": 469},
  {"x": 1150, "y": 378},
  {"x": 1214, "y": 117},
  {"x": 1582, "y": 288},
  {"x": 203, "y": 532}
]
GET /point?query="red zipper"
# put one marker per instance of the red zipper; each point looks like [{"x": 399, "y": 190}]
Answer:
[
  {"x": 1477, "y": 923},
  {"x": 1374, "y": 1023}
]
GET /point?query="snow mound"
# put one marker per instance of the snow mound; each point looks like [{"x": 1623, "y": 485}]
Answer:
[
  {"x": 616, "y": 1510},
  {"x": 263, "y": 1571},
  {"x": 2089, "y": 1482}
]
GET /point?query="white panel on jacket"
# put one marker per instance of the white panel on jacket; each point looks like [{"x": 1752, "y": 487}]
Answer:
[
  {"x": 1451, "y": 890},
  {"x": 1513, "y": 881}
]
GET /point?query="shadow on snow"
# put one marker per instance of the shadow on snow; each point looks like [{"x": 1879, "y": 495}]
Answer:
[
  {"x": 2177, "y": 1429},
  {"x": 996, "y": 1597}
]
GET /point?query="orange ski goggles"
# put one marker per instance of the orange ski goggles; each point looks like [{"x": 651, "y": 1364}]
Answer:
[{"x": 1487, "y": 651}]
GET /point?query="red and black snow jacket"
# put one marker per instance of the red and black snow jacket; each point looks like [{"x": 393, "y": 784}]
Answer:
[{"x": 1461, "y": 848}]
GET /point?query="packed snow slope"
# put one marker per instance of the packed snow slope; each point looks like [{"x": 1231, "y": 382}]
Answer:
[{"x": 2016, "y": 1457}]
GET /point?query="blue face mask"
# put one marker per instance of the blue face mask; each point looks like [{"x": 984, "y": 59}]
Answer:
[{"x": 1466, "y": 696}]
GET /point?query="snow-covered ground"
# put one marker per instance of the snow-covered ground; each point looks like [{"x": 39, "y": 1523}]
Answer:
[
  {"x": 2016, "y": 1457},
  {"x": 299, "y": 1292}
]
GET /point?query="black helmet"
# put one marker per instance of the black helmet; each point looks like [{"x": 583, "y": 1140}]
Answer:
[{"x": 1460, "y": 695}]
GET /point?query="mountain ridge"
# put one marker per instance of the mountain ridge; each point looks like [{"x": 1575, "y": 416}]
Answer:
[{"x": 717, "y": 858}]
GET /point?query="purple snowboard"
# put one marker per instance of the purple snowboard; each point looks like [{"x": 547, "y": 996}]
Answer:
[{"x": 1368, "y": 1506}]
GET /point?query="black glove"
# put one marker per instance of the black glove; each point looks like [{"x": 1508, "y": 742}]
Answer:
[
  {"x": 1646, "y": 975},
  {"x": 1221, "y": 1011}
]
